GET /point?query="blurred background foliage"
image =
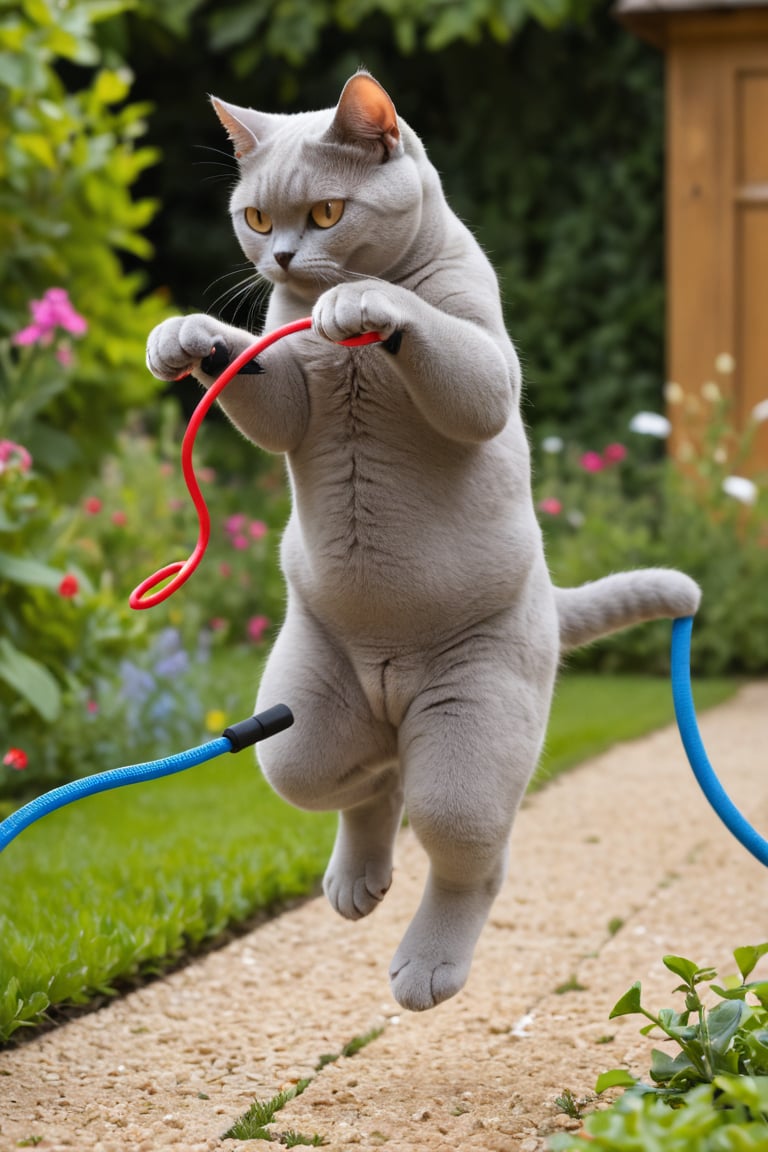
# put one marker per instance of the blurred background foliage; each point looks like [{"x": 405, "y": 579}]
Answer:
[{"x": 545, "y": 120}]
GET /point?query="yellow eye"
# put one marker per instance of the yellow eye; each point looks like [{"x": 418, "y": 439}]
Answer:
[
  {"x": 326, "y": 213},
  {"x": 257, "y": 220}
]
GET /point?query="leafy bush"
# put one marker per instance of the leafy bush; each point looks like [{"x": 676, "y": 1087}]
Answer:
[
  {"x": 712, "y": 1096},
  {"x": 69, "y": 157},
  {"x": 625, "y": 506},
  {"x": 86, "y": 683}
]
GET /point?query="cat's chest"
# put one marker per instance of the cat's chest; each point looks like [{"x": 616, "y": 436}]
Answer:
[{"x": 357, "y": 405}]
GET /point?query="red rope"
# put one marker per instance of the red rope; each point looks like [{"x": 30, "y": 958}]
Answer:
[{"x": 180, "y": 571}]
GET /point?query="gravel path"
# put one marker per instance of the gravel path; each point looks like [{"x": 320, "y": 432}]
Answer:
[{"x": 613, "y": 866}]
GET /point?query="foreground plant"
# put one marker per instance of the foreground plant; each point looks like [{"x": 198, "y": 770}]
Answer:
[{"x": 712, "y": 1094}]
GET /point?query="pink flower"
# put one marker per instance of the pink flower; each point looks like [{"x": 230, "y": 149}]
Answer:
[
  {"x": 217, "y": 623},
  {"x": 257, "y": 626},
  {"x": 92, "y": 505},
  {"x": 551, "y": 506},
  {"x": 16, "y": 758},
  {"x": 207, "y": 475},
  {"x": 119, "y": 519},
  {"x": 65, "y": 355},
  {"x": 614, "y": 453},
  {"x": 69, "y": 586},
  {"x": 225, "y": 570},
  {"x": 13, "y": 455},
  {"x": 53, "y": 311},
  {"x": 240, "y": 542},
  {"x": 592, "y": 462},
  {"x": 234, "y": 524},
  {"x": 91, "y": 707},
  {"x": 257, "y": 529}
]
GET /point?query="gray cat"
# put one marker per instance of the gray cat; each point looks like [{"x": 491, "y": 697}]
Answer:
[{"x": 422, "y": 632}]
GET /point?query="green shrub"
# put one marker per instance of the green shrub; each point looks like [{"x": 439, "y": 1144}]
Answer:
[
  {"x": 84, "y": 680},
  {"x": 620, "y": 506},
  {"x": 69, "y": 157}
]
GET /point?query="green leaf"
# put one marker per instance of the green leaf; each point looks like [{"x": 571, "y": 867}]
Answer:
[
  {"x": 22, "y": 570},
  {"x": 30, "y": 679},
  {"x": 665, "y": 1068},
  {"x": 685, "y": 969},
  {"x": 615, "y": 1078},
  {"x": 723, "y": 1023},
  {"x": 747, "y": 957},
  {"x": 629, "y": 1003}
]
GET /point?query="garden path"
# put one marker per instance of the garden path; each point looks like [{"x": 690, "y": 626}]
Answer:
[{"x": 613, "y": 866}]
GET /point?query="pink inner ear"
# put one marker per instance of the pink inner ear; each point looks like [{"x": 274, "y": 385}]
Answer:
[
  {"x": 366, "y": 110},
  {"x": 243, "y": 139}
]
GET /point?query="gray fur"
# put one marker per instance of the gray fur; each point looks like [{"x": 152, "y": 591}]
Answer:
[{"x": 422, "y": 633}]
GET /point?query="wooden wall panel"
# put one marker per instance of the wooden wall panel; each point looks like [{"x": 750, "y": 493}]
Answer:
[{"x": 717, "y": 206}]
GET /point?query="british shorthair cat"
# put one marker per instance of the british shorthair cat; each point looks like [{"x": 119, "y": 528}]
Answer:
[{"x": 422, "y": 633}]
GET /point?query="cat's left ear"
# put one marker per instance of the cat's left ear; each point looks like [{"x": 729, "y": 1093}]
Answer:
[
  {"x": 244, "y": 126},
  {"x": 366, "y": 116}
]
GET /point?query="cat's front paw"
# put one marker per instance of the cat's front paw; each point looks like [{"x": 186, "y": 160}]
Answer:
[
  {"x": 178, "y": 345},
  {"x": 352, "y": 309}
]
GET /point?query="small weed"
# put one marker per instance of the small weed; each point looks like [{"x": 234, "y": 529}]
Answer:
[
  {"x": 29, "y": 1142},
  {"x": 293, "y": 1139},
  {"x": 568, "y": 1104},
  {"x": 252, "y": 1125},
  {"x": 615, "y": 924},
  {"x": 608, "y": 1038},
  {"x": 571, "y": 985},
  {"x": 359, "y": 1042}
]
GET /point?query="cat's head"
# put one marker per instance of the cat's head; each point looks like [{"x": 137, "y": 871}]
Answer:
[{"x": 324, "y": 197}]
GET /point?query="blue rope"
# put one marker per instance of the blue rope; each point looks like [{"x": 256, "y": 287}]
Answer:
[
  {"x": 685, "y": 711},
  {"x": 103, "y": 781},
  {"x": 233, "y": 739}
]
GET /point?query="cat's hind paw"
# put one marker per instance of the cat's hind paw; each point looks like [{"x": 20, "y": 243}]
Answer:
[
  {"x": 418, "y": 983},
  {"x": 355, "y": 892}
]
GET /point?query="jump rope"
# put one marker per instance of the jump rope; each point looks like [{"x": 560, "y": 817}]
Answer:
[{"x": 265, "y": 724}]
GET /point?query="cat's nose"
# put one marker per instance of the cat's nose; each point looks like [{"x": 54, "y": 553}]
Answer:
[{"x": 284, "y": 258}]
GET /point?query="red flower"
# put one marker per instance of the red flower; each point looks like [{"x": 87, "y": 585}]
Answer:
[
  {"x": 257, "y": 626},
  {"x": 92, "y": 505},
  {"x": 16, "y": 758},
  {"x": 69, "y": 586},
  {"x": 551, "y": 505},
  {"x": 592, "y": 462},
  {"x": 119, "y": 519},
  {"x": 614, "y": 453}
]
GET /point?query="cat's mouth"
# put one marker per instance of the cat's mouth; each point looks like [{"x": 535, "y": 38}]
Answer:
[{"x": 305, "y": 279}]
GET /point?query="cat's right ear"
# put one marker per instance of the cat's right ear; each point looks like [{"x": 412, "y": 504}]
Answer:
[{"x": 244, "y": 126}]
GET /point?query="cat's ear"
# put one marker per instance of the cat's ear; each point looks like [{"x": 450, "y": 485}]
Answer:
[
  {"x": 244, "y": 126},
  {"x": 366, "y": 116}
]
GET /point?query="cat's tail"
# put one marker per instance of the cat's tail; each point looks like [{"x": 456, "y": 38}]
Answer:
[{"x": 596, "y": 609}]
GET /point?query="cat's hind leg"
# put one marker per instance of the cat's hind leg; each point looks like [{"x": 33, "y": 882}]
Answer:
[
  {"x": 337, "y": 756},
  {"x": 466, "y": 763}
]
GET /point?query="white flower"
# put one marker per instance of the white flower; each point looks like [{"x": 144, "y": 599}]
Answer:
[
  {"x": 740, "y": 488},
  {"x": 552, "y": 444},
  {"x": 725, "y": 363},
  {"x": 760, "y": 412},
  {"x": 673, "y": 393},
  {"x": 650, "y": 424},
  {"x": 710, "y": 391},
  {"x": 576, "y": 519}
]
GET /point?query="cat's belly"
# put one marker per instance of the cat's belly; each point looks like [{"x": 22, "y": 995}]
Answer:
[{"x": 394, "y": 576}]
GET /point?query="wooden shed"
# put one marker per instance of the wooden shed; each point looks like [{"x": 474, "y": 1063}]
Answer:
[{"x": 716, "y": 192}]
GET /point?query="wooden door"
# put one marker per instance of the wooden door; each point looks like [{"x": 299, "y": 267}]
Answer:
[{"x": 717, "y": 209}]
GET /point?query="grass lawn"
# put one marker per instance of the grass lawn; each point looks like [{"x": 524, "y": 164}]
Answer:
[{"x": 120, "y": 884}]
